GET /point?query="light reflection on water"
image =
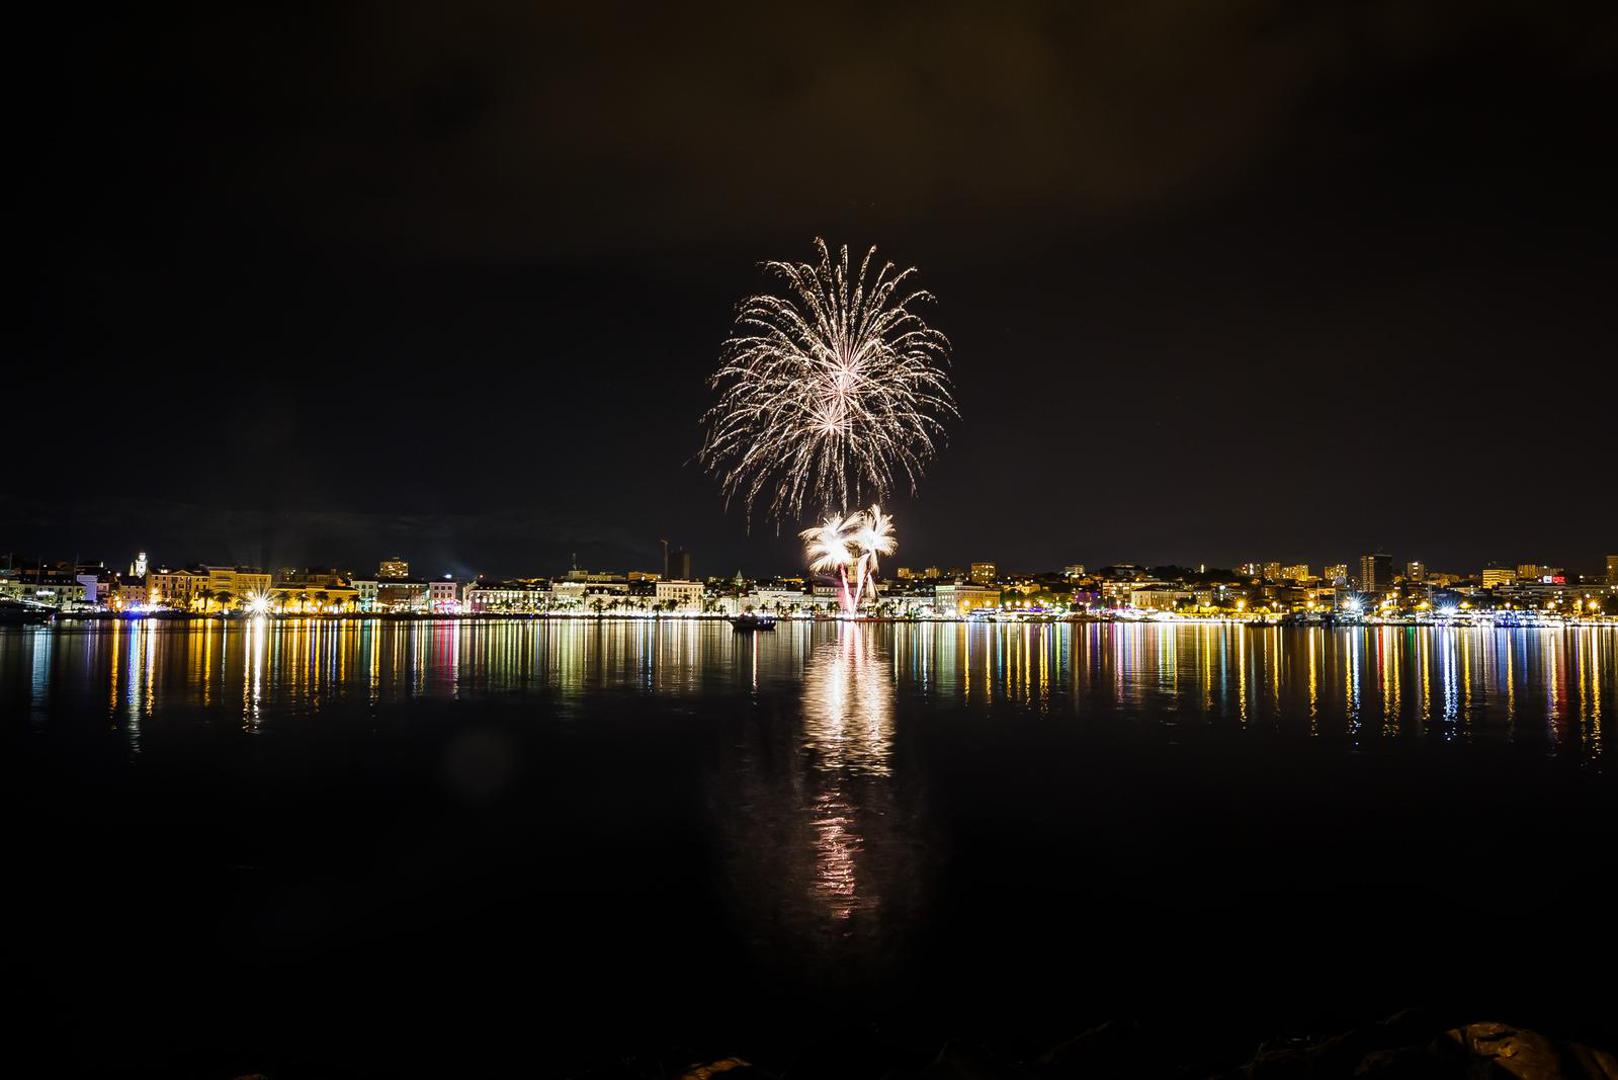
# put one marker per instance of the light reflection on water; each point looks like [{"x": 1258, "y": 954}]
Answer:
[
  {"x": 817, "y": 794},
  {"x": 1548, "y": 687}
]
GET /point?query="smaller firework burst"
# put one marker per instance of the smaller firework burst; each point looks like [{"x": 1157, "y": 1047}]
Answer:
[{"x": 850, "y": 545}]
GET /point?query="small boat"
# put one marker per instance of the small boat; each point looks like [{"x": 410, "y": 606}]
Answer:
[
  {"x": 753, "y": 621},
  {"x": 16, "y": 613}
]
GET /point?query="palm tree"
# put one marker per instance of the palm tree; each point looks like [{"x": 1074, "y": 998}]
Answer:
[
  {"x": 204, "y": 595},
  {"x": 224, "y": 598},
  {"x": 322, "y": 598}
]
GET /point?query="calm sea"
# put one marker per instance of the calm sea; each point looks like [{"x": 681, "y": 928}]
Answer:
[{"x": 352, "y": 847}]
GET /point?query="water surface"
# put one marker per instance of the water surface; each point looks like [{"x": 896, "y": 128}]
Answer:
[{"x": 317, "y": 845}]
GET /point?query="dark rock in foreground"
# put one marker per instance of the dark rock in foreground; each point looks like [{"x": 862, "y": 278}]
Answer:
[{"x": 1406, "y": 1045}]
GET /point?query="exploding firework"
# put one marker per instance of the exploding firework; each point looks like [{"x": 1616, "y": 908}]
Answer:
[
  {"x": 830, "y": 392},
  {"x": 841, "y": 544}
]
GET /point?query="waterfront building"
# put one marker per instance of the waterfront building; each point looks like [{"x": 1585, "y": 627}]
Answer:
[
  {"x": 173, "y": 588},
  {"x": 779, "y": 598},
  {"x": 401, "y": 595},
  {"x": 53, "y": 589},
  {"x": 365, "y": 593},
  {"x": 956, "y": 598},
  {"x": 505, "y": 597},
  {"x": 684, "y": 595},
  {"x": 984, "y": 573},
  {"x": 443, "y": 597},
  {"x": 130, "y": 595},
  {"x": 232, "y": 585},
  {"x": 393, "y": 568},
  {"x": 1376, "y": 572},
  {"x": 1159, "y": 598}
]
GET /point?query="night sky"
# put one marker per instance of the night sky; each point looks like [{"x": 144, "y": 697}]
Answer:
[{"x": 1225, "y": 281}]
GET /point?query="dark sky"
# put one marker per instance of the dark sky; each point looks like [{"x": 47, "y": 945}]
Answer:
[{"x": 1224, "y": 281}]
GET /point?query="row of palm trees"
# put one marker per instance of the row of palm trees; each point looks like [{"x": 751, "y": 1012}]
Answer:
[{"x": 206, "y": 600}]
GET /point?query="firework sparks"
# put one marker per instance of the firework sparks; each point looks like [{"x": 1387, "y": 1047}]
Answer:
[
  {"x": 830, "y": 392},
  {"x": 841, "y": 544}
]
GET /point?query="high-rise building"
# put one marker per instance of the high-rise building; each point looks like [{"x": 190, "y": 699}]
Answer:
[
  {"x": 1415, "y": 570},
  {"x": 1530, "y": 571},
  {"x": 1299, "y": 572},
  {"x": 984, "y": 573},
  {"x": 677, "y": 565},
  {"x": 904, "y": 573},
  {"x": 1376, "y": 572},
  {"x": 1612, "y": 570},
  {"x": 1272, "y": 571},
  {"x": 393, "y": 568},
  {"x": 1498, "y": 575},
  {"x": 1337, "y": 574}
]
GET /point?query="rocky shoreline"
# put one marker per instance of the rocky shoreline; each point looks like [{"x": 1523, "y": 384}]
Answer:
[{"x": 1409, "y": 1044}]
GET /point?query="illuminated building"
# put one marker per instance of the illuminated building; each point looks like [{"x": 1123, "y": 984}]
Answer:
[
  {"x": 138, "y": 568},
  {"x": 1494, "y": 576},
  {"x": 505, "y": 596},
  {"x": 393, "y": 568},
  {"x": 237, "y": 583},
  {"x": 1073, "y": 570},
  {"x": 932, "y": 573},
  {"x": 401, "y": 595},
  {"x": 1530, "y": 571},
  {"x": 1298, "y": 572},
  {"x": 685, "y": 595},
  {"x": 1337, "y": 574},
  {"x": 1612, "y": 570},
  {"x": 1376, "y": 572},
  {"x": 365, "y": 592},
  {"x": 983, "y": 573},
  {"x": 904, "y": 573},
  {"x": 1272, "y": 571},
  {"x": 173, "y": 588},
  {"x": 1158, "y": 599},
  {"x": 1415, "y": 571},
  {"x": 958, "y": 599},
  {"x": 443, "y": 597}
]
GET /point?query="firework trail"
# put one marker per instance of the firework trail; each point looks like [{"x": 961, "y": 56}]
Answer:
[{"x": 830, "y": 392}]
